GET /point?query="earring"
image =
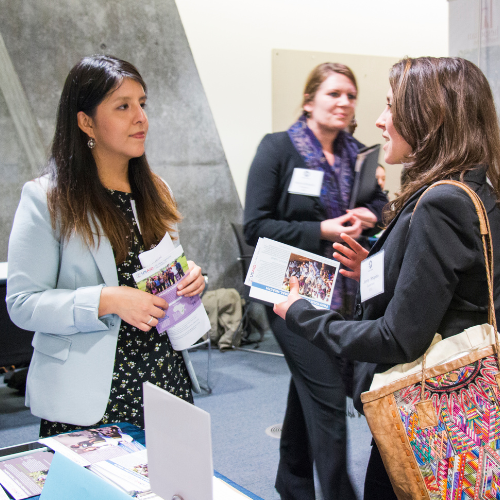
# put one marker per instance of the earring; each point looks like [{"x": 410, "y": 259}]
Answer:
[{"x": 91, "y": 143}]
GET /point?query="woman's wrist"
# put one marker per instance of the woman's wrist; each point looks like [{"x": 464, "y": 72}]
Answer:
[
  {"x": 106, "y": 301},
  {"x": 324, "y": 231}
]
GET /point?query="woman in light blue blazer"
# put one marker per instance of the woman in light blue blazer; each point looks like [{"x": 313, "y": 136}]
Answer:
[{"x": 74, "y": 245}]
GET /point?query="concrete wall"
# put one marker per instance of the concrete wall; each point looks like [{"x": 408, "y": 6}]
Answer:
[
  {"x": 475, "y": 35},
  {"x": 44, "y": 39}
]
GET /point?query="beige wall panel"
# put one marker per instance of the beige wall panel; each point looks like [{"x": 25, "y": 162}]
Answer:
[{"x": 290, "y": 69}]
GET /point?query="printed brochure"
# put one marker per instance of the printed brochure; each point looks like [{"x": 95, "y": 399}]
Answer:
[
  {"x": 89, "y": 446},
  {"x": 273, "y": 264},
  {"x": 129, "y": 472},
  {"x": 186, "y": 320},
  {"x": 24, "y": 476}
]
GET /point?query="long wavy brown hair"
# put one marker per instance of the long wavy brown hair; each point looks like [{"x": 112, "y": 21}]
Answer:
[
  {"x": 77, "y": 201},
  {"x": 444, "y": 109}
]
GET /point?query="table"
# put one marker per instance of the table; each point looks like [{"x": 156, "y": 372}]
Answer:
[{"x": 132, "y": 430}]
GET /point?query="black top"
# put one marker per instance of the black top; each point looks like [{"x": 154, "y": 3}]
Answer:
[
  {"x": 272, "y": 212},
  {"x": 434, "y": 282},
  {"x": 140, "y": 356}
]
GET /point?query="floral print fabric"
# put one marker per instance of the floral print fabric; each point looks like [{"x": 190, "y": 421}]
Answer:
[{"x": 140, "y": 356}]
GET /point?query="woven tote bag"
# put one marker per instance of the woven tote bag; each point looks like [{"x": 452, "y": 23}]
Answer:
[{"x": 436, "y": 421}]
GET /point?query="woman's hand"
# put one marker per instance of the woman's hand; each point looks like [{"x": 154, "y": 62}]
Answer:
[
  {"x": 350, "y": 257},
  {"x": 282, "y": 309},
  {"x": 135, "y": 307},
  {"x": 368, "y": 219},
  {"x": 193, "y": 283},
  {"x": 332, "y": 228}
]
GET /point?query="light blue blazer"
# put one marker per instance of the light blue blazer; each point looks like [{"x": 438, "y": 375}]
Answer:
[{"x": 54, "y": 289}]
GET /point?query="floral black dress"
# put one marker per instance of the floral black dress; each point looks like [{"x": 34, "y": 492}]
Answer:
[{"x": 140, "y": 356}]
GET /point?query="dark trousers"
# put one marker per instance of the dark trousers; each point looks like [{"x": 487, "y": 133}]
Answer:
[
  {"x": 377, "y": 483},
  {"x": 314, "y": 428}
]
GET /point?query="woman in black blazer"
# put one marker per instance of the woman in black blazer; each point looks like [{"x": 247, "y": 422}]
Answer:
[
  {"x": 314, "y": 428},
  {"x": 440, "y": 121}
]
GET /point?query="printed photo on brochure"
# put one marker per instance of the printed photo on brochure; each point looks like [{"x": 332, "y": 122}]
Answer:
[
  {"x": 185, "y": 319},
  {"x": 274, "y": 263}
]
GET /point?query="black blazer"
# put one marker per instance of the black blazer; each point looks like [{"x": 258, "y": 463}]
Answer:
[
  {"x": 272, "y": 212},
  {"x": 434, "y": 279}
]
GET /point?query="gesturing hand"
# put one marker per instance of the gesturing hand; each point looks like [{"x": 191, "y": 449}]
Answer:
[
  {"x": 367, "y": 217},
  {"x": 193, "y": 283},
  {"x": 332, "y": 228},
  {"x": 281, "y": 309},
  {"x": 351, "y": 256},
  {"x": 138, "y": 308}
]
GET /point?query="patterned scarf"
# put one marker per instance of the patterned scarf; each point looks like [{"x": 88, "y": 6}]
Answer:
[
  {"x": 335, "y": 190},
  {"x": 338, "y": 179}
]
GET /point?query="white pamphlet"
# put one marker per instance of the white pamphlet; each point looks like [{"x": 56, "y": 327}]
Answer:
[{"x": 158, "y": 252}]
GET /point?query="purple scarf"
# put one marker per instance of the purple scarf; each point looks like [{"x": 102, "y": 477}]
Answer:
[{"x": 335, "y": 190}]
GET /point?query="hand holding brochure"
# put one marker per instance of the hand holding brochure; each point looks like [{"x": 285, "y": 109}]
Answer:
[
  {"x": 273, "y": 264},
  {"x": 185, "y": 320}
]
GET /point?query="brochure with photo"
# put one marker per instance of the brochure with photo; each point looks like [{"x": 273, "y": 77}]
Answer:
[
  {"x": 185, "y": 320},
  {"x": 274, "y": 263},
  {"x": 129, "y": 472},
  {"x": 89, "y": 446},
  {"x": 24, "y": 477}
]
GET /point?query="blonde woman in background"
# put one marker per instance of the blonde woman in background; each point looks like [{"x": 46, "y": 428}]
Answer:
[{"x": 314, "y": 428}]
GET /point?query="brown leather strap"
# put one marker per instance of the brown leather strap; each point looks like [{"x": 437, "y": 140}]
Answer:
[{"x": 484, "y": 227}]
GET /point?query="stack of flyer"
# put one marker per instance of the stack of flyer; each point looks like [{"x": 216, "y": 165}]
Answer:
[
  {"x": 273, "y": 264},
  {"x": 108, "y": 452},
  {"x": 165, "y": 266},
  {"x": 24, "y": 476},
  {"x": 129, "y": 472}
]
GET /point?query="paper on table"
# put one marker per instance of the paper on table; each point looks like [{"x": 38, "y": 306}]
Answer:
[
  {"x": 181, "y": 445},
  {"x": 3, "y": 495},
  {"x": 24, "y": 476},
  {"x": 129, "y": 472},
  {"x": 89, "y": 446}
]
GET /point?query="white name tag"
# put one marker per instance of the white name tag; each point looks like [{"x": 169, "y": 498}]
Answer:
[
  {"x": 371, "y": 280},
  {"x": 307, "y": 182}
]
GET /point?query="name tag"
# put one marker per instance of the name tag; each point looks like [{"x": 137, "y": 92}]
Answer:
[
  {"x": 371, "y": 280},
  {"x": 306, "y": 182}
]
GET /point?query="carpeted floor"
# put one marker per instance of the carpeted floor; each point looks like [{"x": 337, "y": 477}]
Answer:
[{"x": 249, "y": 395}]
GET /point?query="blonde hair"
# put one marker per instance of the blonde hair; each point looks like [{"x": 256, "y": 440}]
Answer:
[{"x": 319, "y": 74}]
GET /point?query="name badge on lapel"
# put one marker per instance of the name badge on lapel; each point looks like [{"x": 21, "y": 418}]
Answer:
[
  {"x": 306, "y": 182},
  {"x": 371, "y": 281}
]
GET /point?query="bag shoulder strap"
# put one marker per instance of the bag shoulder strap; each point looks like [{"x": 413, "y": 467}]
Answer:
[
  {"x": 484, "y": 227},
  {"x": 425, "y": 408}
]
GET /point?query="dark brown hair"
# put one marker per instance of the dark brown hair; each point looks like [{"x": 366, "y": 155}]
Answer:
[
  {"x": 77, "y": 200},
  {"x": 320, "y": 73},
  {"x": 444, "y": 109}
]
